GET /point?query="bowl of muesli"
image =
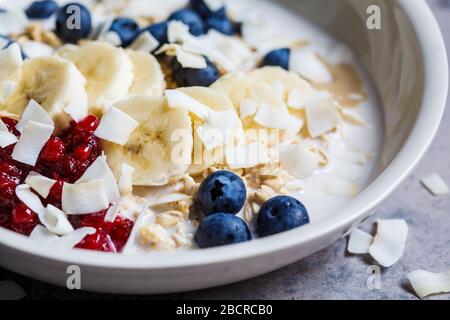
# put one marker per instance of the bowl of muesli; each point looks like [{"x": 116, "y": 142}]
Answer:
[{"x": 162, "y": 146}]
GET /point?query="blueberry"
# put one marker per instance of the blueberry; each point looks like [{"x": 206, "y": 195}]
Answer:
[
  {"x": 126, "y": 28},
  {"x": 73, "y": 22},
  {"x": 223, "y": 25},
  {"x": 41, "y": 9},
  {"x": 159, "y": 31},
  {"x": 222, "y": 191},
  {"x": 191, "y": 18},
  {"x": 2, "y": 10},
  {"x": 203, "y": 9},
  {"x": 280, "y": 214},
  {"x": 221, "y": 229},
  {"x": 187, "y": 77},
  {"x": 279, "y": 58}
]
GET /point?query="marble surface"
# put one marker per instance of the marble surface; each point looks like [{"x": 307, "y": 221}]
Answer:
[{"x": 331, "y": 273}]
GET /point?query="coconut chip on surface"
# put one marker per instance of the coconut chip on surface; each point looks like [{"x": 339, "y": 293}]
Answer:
[
  {"x": 359, "y": 242},
  {"x": 389, "y": 242},
  {"x": 435, "y": 184},
  {"x": 426, "y": 283}
]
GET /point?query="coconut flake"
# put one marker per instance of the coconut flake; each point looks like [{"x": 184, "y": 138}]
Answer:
[
  {"x": 126, "y": 179},
  {"x": 214, "y": 5},
  {"x": 55, "y": 221},
  {"x": 297, "y": 99},
  {"x": 6, "y": 137},
  {"x": 308, "y": 65},
  {"x": 231, "y": 53},
  {"x": 111, "y": 37},
  {"x": 10, "y": 62},
  {"x": 426, "y": 283},
  {"x": 185, "y": 58},
  {"x": 145, "y": 42},
  {"x": 180, "y": 100},
  {"x": 30, "y": 199},
  {"x": 169, "y": 49},
  {"x": 36, "y": 49},
  {"x": 204, "y": 48},
  {"x": 13, "y": 22},
  {"x": 42, "y": 234},
  {"x": 112, "y": 212},
  {"x": 210, "y": 137},
  {"x": 100, "y": 170},
  {"x": 77, "y": 107},
  {"x": 299, "y": 161},
  {"x": 218, "y": 128},
  {"x": 42, "y": 185},
  {"x": 70, "y": 240},
  {"x": 247, "y": 155},
  {"x": 322, "y": 115},
  {"x": 34, "y": 137},
  {"x": 34, "y": 112},
  {"x": 276, "y": 118},
  {"x": 84, "y": 198},
  {"x": 247, "y": 108},
  {"x": 341, "y": 188},
  {"x": 359, "y": 242},
  {"x": 116, "y": 126},
  {"x": 10, "y": 291},
  {"x": 435, "y": 184},
  {"x": 168, "y": 198},
  {"x": 177, "y": 31},
  {"x": 190, "y": 60},
  {"x": 389, "y": 243}
]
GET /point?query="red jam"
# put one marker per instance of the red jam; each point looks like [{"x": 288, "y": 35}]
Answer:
[
  {"x": 110, "y": 236},
  {"x": 64, "y": 158}
]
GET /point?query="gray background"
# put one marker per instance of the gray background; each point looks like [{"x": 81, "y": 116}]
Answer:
[{"x": 331, "y": 273}]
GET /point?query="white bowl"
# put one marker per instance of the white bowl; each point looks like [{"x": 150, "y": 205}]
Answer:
[{"x": 408, "y": 64}]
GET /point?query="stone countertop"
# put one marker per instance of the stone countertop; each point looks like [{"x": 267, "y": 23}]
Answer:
[{"x": 331, "y": 273}]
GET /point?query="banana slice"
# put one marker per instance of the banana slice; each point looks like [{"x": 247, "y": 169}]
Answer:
[
  {"x": 160, "y": 149},
  {"x": 217, "y": 101},
  {"x": 148, "y": 75},
  {"x": 107, "y": 69},
  {"x": 55, "y": 84}
]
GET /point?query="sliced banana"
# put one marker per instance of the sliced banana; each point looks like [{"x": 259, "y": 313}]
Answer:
[
  {"x": 148, "y": 75},
  {"x": 160, "y": 149},
  {"x": 55, "y": 84},
  {"x": 107, "y": 69},
  {"x": 217, "y": 101}
]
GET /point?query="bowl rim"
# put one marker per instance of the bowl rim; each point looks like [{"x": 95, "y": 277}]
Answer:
[{"x": 428, "y": 120}]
